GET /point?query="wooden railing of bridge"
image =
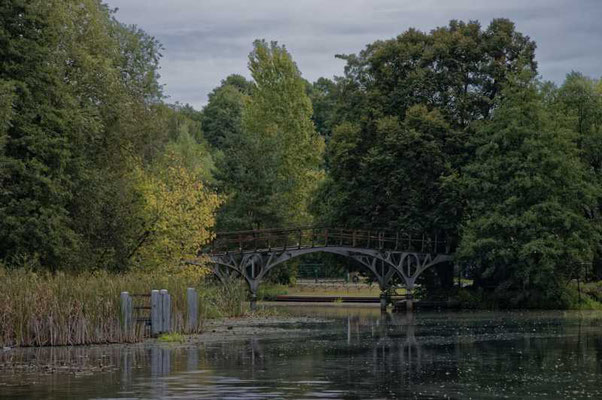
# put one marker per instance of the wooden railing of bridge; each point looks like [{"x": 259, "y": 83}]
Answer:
[{"x": 311, "y": 237}]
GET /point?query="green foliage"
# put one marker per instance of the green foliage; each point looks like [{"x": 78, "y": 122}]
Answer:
[
  {"x": 171, "y": 338},
  {"x": 270, "y": 291},
  {"x": 445, "y": 132},
  {"x": 222, "y": 117},
  {"x": 271, "y": 166},
  {"x": 325, "y": 96},
  {"x": 177, "y": 212},
  {"x": 404, "y": 112},
  {"x": 529, "y": 195},
  {"x": 81, "y": 111}
]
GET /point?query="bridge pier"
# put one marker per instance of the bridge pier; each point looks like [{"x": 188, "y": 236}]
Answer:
[
  {"x": 410, "y": 298},
  {"x": 383, "y": 301},
  {"x": 253, "y": 286}
]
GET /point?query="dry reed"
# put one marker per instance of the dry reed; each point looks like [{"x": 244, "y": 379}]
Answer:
[{"x": 40, "y": 309}]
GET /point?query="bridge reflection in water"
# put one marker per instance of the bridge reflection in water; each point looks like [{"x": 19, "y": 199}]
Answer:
[
  {"x": 253, "y": 254},
  {"x": 351, "y": 353}
]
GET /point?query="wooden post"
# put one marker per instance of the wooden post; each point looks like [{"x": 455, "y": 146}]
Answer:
[
  {"x": 126, "y": 313},
  {"x": 155, "y": 312},
  {"x": 193, "y": 305},
  {"x": 165, "y": 311}
]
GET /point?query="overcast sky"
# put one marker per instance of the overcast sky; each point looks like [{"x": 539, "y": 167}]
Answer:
[{"x": 206, "y": 40}]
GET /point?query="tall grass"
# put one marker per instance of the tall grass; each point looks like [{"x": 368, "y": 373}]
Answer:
[{"x": 68, "y": 309}]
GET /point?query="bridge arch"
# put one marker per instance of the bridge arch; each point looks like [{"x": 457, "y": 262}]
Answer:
[{"x": 384, "y": 255}]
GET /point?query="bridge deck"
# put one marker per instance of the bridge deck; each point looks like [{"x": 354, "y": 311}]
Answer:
[{"x": 278, "y": 240}]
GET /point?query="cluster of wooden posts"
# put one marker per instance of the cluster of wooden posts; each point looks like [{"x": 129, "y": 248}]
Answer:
[{"x": 159, "y": 311}]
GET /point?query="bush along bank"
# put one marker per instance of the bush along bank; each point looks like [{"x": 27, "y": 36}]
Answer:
[{"x": 76, "y": 309}]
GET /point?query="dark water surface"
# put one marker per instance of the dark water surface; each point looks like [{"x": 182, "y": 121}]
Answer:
[{"x": 357, "y": 354}]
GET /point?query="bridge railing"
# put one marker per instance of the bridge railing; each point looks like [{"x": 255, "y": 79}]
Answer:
[{"x": 310, "y": 237}]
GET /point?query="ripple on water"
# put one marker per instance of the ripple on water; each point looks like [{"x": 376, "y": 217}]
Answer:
[{"x": 359, "y": 354}]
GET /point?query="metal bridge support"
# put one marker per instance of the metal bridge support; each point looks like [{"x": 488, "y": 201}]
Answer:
[
  {"x": 253, "y": 286},
  {"x": 410, "y": 299},
  {"x": 383, "y": 301},
  {"x": 384, "y": 265}
]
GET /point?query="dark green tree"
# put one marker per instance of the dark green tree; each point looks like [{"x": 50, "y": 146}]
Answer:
[
  {"x": 408, "y": 106},
  {"x": 222, "y": 116},
  {"x": 527, "y": 228},
  {"x": 577, "y": 105}
]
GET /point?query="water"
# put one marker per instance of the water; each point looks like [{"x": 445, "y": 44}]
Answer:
[{"x": 355, "y": 354}]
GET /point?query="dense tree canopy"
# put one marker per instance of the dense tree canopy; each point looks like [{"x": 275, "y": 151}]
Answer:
[
  {"x": 82, "y": 110},
  {"x": 445, "y": 132},
  {"x": 530, "y": 196}
]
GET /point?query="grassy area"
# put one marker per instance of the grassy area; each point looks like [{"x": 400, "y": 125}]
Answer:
[
  {"x": 70, "y": 309},
  {"x": 171, "y": 338},
  {"x": 322, "y": 289}
]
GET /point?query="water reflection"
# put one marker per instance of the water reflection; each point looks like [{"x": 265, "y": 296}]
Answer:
[{"x": 359, "y": 354}]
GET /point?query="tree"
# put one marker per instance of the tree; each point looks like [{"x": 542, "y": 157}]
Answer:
[
  {"x": 178, "y": 213},
  {"x": 529, "y": 197},
  {"x": 324, "y": 95},
  {"x": 449, "y": 79},
  {"x": 37, "y": 162},
  {"x": 222, "y": 116},
  {"x": 81, "y": 109},
  {"x": 577, "y": 105},
  {"x": 270, "y": 169}
]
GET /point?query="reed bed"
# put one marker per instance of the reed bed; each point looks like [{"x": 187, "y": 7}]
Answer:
[{"x": 42, "y": 309}]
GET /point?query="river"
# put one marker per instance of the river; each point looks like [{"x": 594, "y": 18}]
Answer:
[{"x": 341, "y": 353}]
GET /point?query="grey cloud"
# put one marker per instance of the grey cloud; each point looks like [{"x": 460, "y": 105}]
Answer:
[{"x": 208, "y": 39}]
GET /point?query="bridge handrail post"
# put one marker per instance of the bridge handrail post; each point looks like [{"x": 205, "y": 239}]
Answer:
[
  {"x": 300, "y": 238},
  {"x": 325, "y": 237},
  {"x": 240, "y": 243},
  {"x": 313, "y": 237}
]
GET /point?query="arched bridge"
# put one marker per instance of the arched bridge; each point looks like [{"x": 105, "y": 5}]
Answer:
[{"x": 253, "y": 254}]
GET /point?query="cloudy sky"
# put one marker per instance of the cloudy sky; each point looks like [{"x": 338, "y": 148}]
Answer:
[{"x": 206, "y": 40}]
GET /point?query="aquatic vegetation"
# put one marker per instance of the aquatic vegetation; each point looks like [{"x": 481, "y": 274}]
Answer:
[{"x": 171, "y": 337}]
